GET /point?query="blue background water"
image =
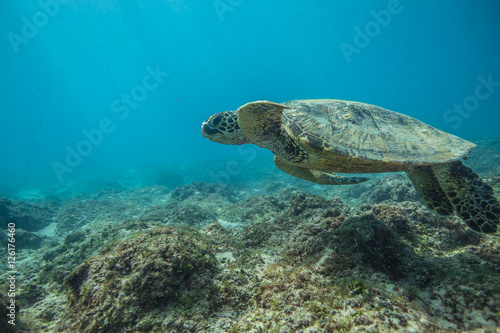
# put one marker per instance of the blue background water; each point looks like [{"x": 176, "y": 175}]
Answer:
[{"x": 62, "y": 77}]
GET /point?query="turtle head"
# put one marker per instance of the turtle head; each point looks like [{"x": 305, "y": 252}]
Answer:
[{"x": 223, "y": 128}]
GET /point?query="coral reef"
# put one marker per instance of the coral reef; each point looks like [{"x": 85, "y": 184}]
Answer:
[
  {"x": 175, "y": 213},
  {"x": 5, "y": 327},
  {"x": 29, "y": 216},
  {"x": 215, "y": 196},
  {"x": 255, "y": 209},
  {"x": 271, "y": 254},
  {"x": 130, "y": 283}
]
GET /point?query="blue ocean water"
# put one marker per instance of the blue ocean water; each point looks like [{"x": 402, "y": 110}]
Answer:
[{"x": 93, "y": 87}]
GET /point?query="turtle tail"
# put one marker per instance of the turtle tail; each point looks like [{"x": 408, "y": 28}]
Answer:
[{"x": 473, "y": 200}]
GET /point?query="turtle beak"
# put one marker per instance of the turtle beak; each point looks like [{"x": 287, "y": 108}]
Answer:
[{"x": 207, "y": 131}]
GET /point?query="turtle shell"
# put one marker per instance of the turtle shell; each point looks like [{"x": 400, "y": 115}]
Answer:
[{"x": 330, "y": 128}]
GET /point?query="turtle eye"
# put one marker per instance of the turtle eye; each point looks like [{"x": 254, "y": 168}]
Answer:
[{"x": 216, "y": 120}]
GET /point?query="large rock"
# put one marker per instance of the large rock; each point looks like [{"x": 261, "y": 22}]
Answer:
[
  {"x": 27, "y": 216},
  {"x": 125, "y": 287}
]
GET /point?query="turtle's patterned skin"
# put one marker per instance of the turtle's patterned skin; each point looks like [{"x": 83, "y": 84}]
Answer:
[{"x": 312, "y": 139}]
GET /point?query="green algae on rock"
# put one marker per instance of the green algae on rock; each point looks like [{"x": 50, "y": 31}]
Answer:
[
  {"x": 126, "y": 286},
  {"x": 29, "y": 216},
  {"x": 280, "y": 258}
]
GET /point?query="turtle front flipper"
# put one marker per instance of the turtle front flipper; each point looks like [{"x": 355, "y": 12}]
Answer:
[
  {"x": 473, "y": 199},
  {"x": 316, "y": 176},
  {"x": 429, "y": 190}
]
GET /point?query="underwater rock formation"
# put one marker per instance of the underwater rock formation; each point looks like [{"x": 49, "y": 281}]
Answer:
[
  {"x": 208, "y": 194},
  {"x": 27, "y": 216},
  {"x": 274, "y": 256},
  {"x": 127, "y": 285},
  {"x": 29, "y": 240},
  {"x": 254, "y": 209},
  {"x": 393, "y": 187},
  {"x": 5, "y": 327},
  {"x": 107, "y": 205},
  {"x": 174, "y": 213}
]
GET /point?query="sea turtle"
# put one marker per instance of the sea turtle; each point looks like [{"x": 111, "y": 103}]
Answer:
[{"x": 311, "y": 139}]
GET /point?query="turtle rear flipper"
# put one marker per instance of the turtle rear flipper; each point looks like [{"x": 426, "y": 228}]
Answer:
[
  {"x": 429, "y": 190},
  {"x": 473, "y": 200}
]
